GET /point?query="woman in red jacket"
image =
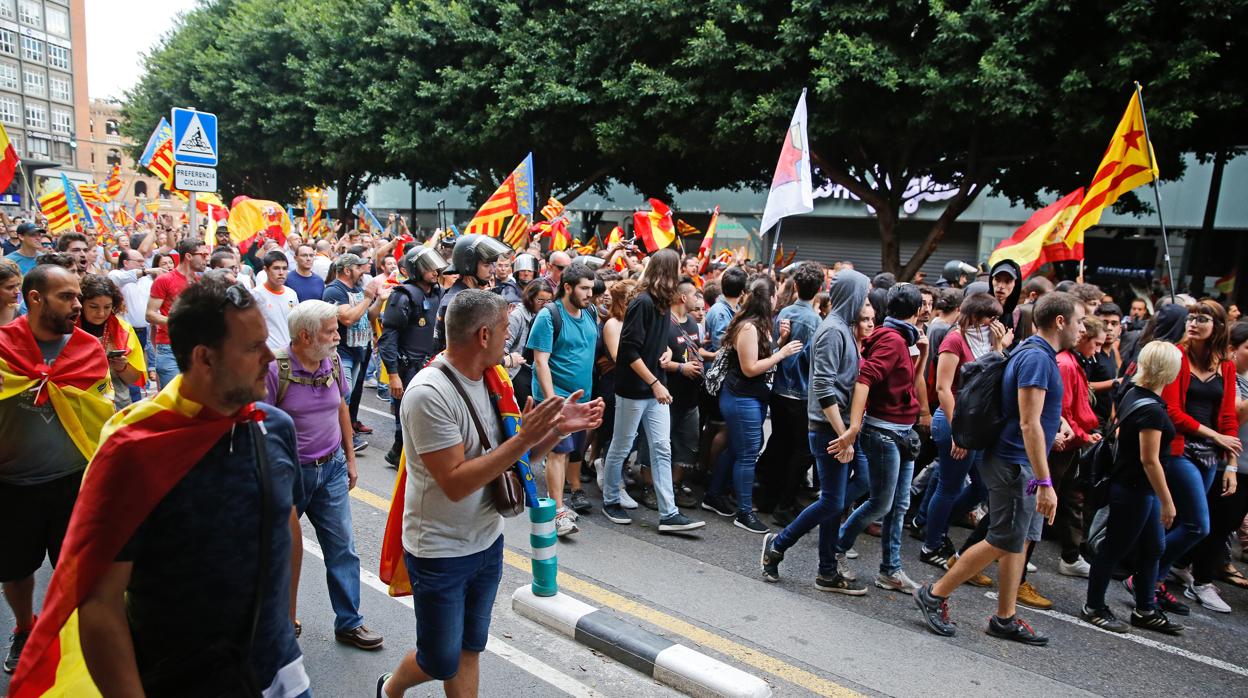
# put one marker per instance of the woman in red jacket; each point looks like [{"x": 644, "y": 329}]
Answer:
[
  {"x": 1201, "y": 403},
  {"x": 1077, "y": 411}
]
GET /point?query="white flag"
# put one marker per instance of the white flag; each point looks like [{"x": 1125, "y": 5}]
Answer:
[{"x": 791, "y": 192}]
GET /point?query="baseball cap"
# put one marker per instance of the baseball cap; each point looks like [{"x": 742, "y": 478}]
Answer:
[
  {"x": 30, "y": 229},
  {"x": 350, "y": 259},
  {"x": 1007, "y": 269}
]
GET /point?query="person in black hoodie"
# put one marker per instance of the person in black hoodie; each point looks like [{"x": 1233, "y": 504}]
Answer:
[
  {"x": 641, "y": 393},
  {"x": 1006, "y": 280}
]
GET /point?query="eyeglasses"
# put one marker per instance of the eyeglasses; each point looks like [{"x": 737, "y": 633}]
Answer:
[
  {"x": 1199, "y": 319},
  {"x": 560, "y": 267}
]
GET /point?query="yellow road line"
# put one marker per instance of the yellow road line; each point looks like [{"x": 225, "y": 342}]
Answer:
[{"x": 746, "y": 655}]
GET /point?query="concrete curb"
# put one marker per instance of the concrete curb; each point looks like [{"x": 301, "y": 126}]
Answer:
[{"x": 668, "y": 662}]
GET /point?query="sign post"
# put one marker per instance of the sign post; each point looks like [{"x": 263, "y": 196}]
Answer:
[{"x": 194, "y": 143}]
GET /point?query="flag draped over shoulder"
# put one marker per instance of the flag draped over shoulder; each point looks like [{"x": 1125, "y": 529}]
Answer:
[
  {"x": 655, "y": 227},
  {"x": 77, "y": 383},
  {"x": 1044, "y": 237},
  {"x": 8, "y": 159},
  {"x": 145, "y": 450},
  {"x": 391, "y": 570},
  {"x": 791, "y": 189},
  {"x": 1128, "y": 162}
]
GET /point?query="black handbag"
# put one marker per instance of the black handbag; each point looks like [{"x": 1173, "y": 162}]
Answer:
[{"x": 224, "y": 667}]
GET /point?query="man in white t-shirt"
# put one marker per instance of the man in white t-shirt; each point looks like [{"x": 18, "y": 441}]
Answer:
[{"x": 274, "y": 299}]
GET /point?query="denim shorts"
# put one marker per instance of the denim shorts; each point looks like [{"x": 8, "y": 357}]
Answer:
[{"x": 453, "y": 598}]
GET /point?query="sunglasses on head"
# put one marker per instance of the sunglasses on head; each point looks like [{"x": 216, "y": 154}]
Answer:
[{"x": 239, "y": 297}]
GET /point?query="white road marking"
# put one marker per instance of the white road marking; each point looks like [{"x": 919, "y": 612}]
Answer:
[
  {"x": 507, "y": 652},
  {"x": 366, "y": 408},
  {"x": 1137, "y": 639}
]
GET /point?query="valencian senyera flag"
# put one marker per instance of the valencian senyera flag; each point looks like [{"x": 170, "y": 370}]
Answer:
[
  {"x": 513, "y": 197},
  {"x": 144, "y": 451}
]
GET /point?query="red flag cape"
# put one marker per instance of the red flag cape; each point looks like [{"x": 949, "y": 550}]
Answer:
[{"x": 145, "y": 450}]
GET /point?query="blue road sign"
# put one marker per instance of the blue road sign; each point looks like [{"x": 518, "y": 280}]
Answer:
[{"x": 194, "y": 137}]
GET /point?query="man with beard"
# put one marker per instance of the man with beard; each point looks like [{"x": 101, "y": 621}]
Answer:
[
  {"x": 307, "y": 382},
  {"x": 1016, "y": 472},
  {"x": 184, "y": 583},
  {"x": 41, "y": 459},
  {"x": 406, "y": 341}
]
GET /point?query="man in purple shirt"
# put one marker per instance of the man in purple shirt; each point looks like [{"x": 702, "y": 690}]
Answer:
[{"x": 307, "y": 382}]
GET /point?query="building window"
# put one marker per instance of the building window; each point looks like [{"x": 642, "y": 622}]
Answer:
[
  {"x": 114, "y": 157},
  {"x": 30, "y": 12},
  {"x": 140, "y": 189},
  {"x": 58, "y": 21},
  {"x": 32, "y": 49},
  {"x": 58, "y": 56},
  {"x": 36, "y": 116},
  {"x": 60, "y": 88},
  {"x": 63, "y": 152},
  {"x": 112, "y": 128},
  {"x": 16, "y": 140},
  {"x": 10, "y": 110},
  {"x": 37, "y": 146},
  {"x": 36, "y": 83},
  {"x": 8, "y": 77},
  {"x": 7, "y": 42},
  {"x": 62, "y": 121},
  {"x": 6, "y": 10}
]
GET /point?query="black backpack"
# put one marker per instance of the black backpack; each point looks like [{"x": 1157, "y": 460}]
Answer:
[
  {"x": 980, "y": 418},
  {"x": 1096, "y": 466}
]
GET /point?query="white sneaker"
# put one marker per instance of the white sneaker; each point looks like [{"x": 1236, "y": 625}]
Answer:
[
  {"x": 843, "y": 567},
  {"x": 600, "y": 468},
  {"x": 1184, "y": 574},
  {"x": 626, "y": 501},
  {"x": 851, "y": 554},
  {"x": 898, "y": 582},
  {"x": 1032, "y": 569},
  {"x": 1078, "y": 568},
  {"x": 1208, "y": 596},
  {"x": 564, "y": 525}
]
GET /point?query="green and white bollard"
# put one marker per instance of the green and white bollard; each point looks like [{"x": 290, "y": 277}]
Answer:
[{"x": 542, "y": 540}]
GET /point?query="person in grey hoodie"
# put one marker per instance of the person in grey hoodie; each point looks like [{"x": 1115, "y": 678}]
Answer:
[{"x": 833, "y": 372}]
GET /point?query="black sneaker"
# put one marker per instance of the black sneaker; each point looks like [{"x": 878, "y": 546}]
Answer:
[
  {"x": 935, "y": 611},
  {"x": 578, "y": 501},
  {"x": 685, "y": 498},
  {"x": 717, "y": 504},
  {"x": 17, "y": 642},
  {"x": 1104, "y": 619},
  {"x": 939, "y": 557},
  {"x": 393, "y": 455},
  {"x": 1165, "y": 600},
  {"x": 616, "y": 514},
  {"x": 1156, "y": 620},
  {"x": 677, "y": 523},
  {"x": 1016, "y": 629},
  {"x": 771, "y": 559},
  {"x": 649, "y": 499},
  {"x": 751, "y": 523},
  {"x": 381, "y": 682},
  {"x": 840, "y": 585}
]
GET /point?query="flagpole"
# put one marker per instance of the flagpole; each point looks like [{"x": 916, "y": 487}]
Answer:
[
  {"x": 775, "y": 245},
  {"x": 1148, "y": 141}
]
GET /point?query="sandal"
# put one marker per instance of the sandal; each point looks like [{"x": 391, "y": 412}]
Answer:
[
  {"x": 1231, "y": 575},
  {"x": 298, "y": 628}
]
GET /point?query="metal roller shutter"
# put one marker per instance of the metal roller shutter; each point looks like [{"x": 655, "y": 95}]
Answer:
[{"x": 829, "y": 240}]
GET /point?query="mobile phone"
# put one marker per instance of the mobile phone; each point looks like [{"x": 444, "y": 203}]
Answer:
[{"x": 116, "y": 353}]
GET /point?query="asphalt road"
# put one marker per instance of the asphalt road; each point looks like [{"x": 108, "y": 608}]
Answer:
[{"x": 704, "y": 590}]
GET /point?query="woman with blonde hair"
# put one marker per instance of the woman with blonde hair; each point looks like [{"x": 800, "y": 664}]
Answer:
[{"x": 1140, "y": 505}]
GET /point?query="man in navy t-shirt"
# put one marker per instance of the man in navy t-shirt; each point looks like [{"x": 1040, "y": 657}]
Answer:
[{"x": 1016, "y": 472}]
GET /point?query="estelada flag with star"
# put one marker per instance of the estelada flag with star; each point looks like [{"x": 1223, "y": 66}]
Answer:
[
  {"x": 1128, "y": 163},
  {"x": 145, "y": 450}
]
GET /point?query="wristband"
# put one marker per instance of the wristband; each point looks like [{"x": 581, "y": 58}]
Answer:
[
  {"x": 651, "y": 383},
  {"x": 1034, "y": 485},
  {"x": 1232, "y": 468}
]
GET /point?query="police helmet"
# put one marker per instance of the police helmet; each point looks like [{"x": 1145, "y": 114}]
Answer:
[
  {"x": 421, "y": 259},
  {"x": 471, "y": 250},
  {"x": 525, "y": 262}
]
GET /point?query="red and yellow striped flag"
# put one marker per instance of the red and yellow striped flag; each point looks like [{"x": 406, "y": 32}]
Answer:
[
  {"x": 517, "y": 232},
  {"x": 122, "y": 217},
  {"x": 704, "y": 250},
  {"x": 8, "y": 159},
  {"x": 655, "y": 227},
  {"x": 144, "y": 451},
  {"x": 1128, "y": 162},
  {"x": 112, "y": 187},
  {"x": 1044, "y": 237},
  {"x": 501, "y": 204},
  {"x": 683, "y": 229},
  {"x": 55, "y": 207},
  {"x": 553, "y": 209}
]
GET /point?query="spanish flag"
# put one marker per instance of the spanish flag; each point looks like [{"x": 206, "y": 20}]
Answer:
[
  {"x": 704, "y": 251},
  {"x": 8, "y": 160},
  {"x": 77, "y": 383},
  {"x": 1128, "y": 162},
  {"x": 1044, "y": 237},
  {"x": 250, "y": 217},
  {"x": 145, "y": 450},
  {"x": 655, "y": 227}
]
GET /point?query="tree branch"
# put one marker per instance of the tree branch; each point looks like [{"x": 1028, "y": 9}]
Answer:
[{"x": 571, "y": 195}]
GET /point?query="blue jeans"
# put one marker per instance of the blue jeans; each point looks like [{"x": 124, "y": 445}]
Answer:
[
  {"x": 453, "y": 598},
  {"x": 744, "y": 416},
  {"x": 1189, "y": 487},
  {"x": 136, "y": 393},
  {"x": 889, "y": 496},
  {"x": 328, "y": 505},
  {"x": 354, "y": 365},
  {"x": 629, "y": 414},
  {"x": 166, "y": 366},
  {"x": 824, "y": 512},
  {"x": 950, "y": 496},
  {"x": 1134, "y": 523}
]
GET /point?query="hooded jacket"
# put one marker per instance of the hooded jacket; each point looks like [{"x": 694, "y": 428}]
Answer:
[
  {"x": 1011, "y": 302},
  {"x": 833, "y": 352}
]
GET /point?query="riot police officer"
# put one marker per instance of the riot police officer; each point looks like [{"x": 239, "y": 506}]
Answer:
[
  {"x": 473, "y": 259},
  {"x": 524, "y": 269},
  {"x": 406, "y": 342}
]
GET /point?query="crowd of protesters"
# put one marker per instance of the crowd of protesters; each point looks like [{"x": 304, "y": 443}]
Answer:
[{"x": 785, "y": 400}]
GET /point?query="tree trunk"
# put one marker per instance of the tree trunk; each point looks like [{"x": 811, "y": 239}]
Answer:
[
  {"x": 956, "y": 207},
  {"x": 890, "y": 245}
]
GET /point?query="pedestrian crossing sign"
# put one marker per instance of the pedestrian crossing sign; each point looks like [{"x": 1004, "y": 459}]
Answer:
[{"x": 194, "y": 137}]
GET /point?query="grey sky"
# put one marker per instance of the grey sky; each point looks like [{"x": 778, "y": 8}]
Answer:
[{"x": 119, "y": 32}]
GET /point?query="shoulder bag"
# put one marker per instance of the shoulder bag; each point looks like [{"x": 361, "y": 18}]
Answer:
[{"x": 507, "y": 490}]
